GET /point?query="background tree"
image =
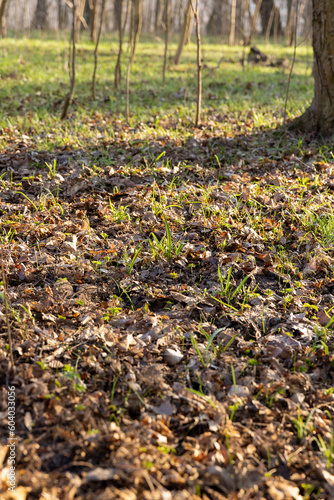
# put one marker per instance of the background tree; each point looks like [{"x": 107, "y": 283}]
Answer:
[
  {"x": 274, "y": 25},
  {"x": 40, "y": 20},
  {"x": 254, "y": 20},
  {"x": 268, "y": 10},
  {"x": 215, "y": 23},
  {"x": 320, "y": 115},
  {"x": 167, "y": 29},
  {"x": 185, "y": 32},
  {"x": 93, "y": 20},
  {"x": 199, "y": 63},
  {"x": 79, "y": 18},
  {"x": 97, "y": 46},
  {"x": 307, "y": 18},
  {"x": 74, "y": 36},
  {"x": 63, "y": 12},
  {"x": 3, "y": 24},
  {"x": 157, "y": 16},
  {"x": 216, "y": 15},
  {"x": 289, "y": 22},
  {"x": 135, "y": 27},
  {"x": 233, "y": 19},
  {"x": 119, "y": 16}
]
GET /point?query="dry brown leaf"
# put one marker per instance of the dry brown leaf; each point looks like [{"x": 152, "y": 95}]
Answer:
[{"x": 280, "y": 489}]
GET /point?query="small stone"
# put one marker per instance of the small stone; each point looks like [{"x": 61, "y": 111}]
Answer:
[
  {"x": 172, "y": 357},
  {"x": 257, "y": 301},
  {"x": 239, "y": 390}
]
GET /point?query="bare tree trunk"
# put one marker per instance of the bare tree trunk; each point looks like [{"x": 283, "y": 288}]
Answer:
[
  {"x": 270, "y": 24},
  {"x": 172, "y": 21},
  {"x": 136, "y": 22},
  {"x": 179, "y": 14},
  {"x": 233, "y": 14},
  {"x": 308, "y": 20},
  {"x": 189, "y": 31},
  {"x": 93, "y": 21},
  {"x": 187, "y": 24},
  {"x": 247, "y": 7},
  {"x": 167, "y": 26},
  {"x": 63, "y": 10},
  {"x": 240, "y": 17},
  {"x": 147, "y": 19},
  {"x": 215, "y": 22},
  {"x": 291, "y": 69},
  {"x": 131, "y": 28},
  {"x": 199, "y": 63},
  {"x": 267, "y": 12},
  {"x": 253, "y": 25},
  {"x": 3, "y": 25},
  {"x": 157, "y": 16},
  {"x": 118, "y": 4},
  {"x": 69, "y": 99},
  {"x": 276, "y": 19},
  {"x": 40, "y": 20},
  {"x": 80, "y": 18},
  {"x": 289, "y": 27},
  {"x": 128, "y": 8},
  {"x": 320, "y": 115},
  {"x": 97, "y": 46},
  {"x": 118, "y": 70}
]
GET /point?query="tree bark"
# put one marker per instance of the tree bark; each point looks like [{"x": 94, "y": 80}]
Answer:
[
  {"x": 3, "y": 25},
  {"x": 267, "y": 11},
  {"x": 138, "y": 21},
  {"x": 215, "y": 23},
  {"x": 199, "y": 64},
  {"x": 93, "y": 21},
  {"x": 69, "y": 99},
  {"x": 135, "y": 27},
  {"x": 186, "y": 27},
  {"x": 240, "y": 17},
  {"x": 319, "y": 116},
  {"x": 118, "y": 7},
  {"x": 63, "y": 11},
  {"x": 97, "y": 46},
  {"x": 167, "y": 25},
  {"x": 157, "y": 16},
  {"x": 118, "y": 70},
  {"x": 308, "y": 21},
  {"x": 233, "y": 16},
  {"x": 289, "y": 29},
  {"x": 40, "y": 20},
  {"x": 79, "y": 18},
  {"x": 253, "y": 23}
]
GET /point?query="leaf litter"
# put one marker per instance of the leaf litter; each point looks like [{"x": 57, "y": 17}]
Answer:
[{"x": 171, "y": 318}]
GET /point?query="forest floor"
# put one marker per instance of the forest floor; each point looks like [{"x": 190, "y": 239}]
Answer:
[{"x": 170, "y": 299}]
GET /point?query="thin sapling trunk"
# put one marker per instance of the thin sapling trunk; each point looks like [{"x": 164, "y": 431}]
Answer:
[
  {"x": 185, "y": 33},
  {"x": 135, "y": 26},
  {"x": 3, "y": 28},
  {"x": 199, "y": 63},
  {"x": 97, "y": 46},
  {"x": 118, "y": 71},
  {"x": 69, "y": 99},
  {"x": 233, "y": 16},
  {"x": 291, "y": 69},
  {"x": 167, "y": 25},
  {"x": 253, "y": 24},
  {"x": 93, "y": 19}
]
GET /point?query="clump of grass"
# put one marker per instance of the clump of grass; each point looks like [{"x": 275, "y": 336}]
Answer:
[{"x": 166, "y": 245}]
